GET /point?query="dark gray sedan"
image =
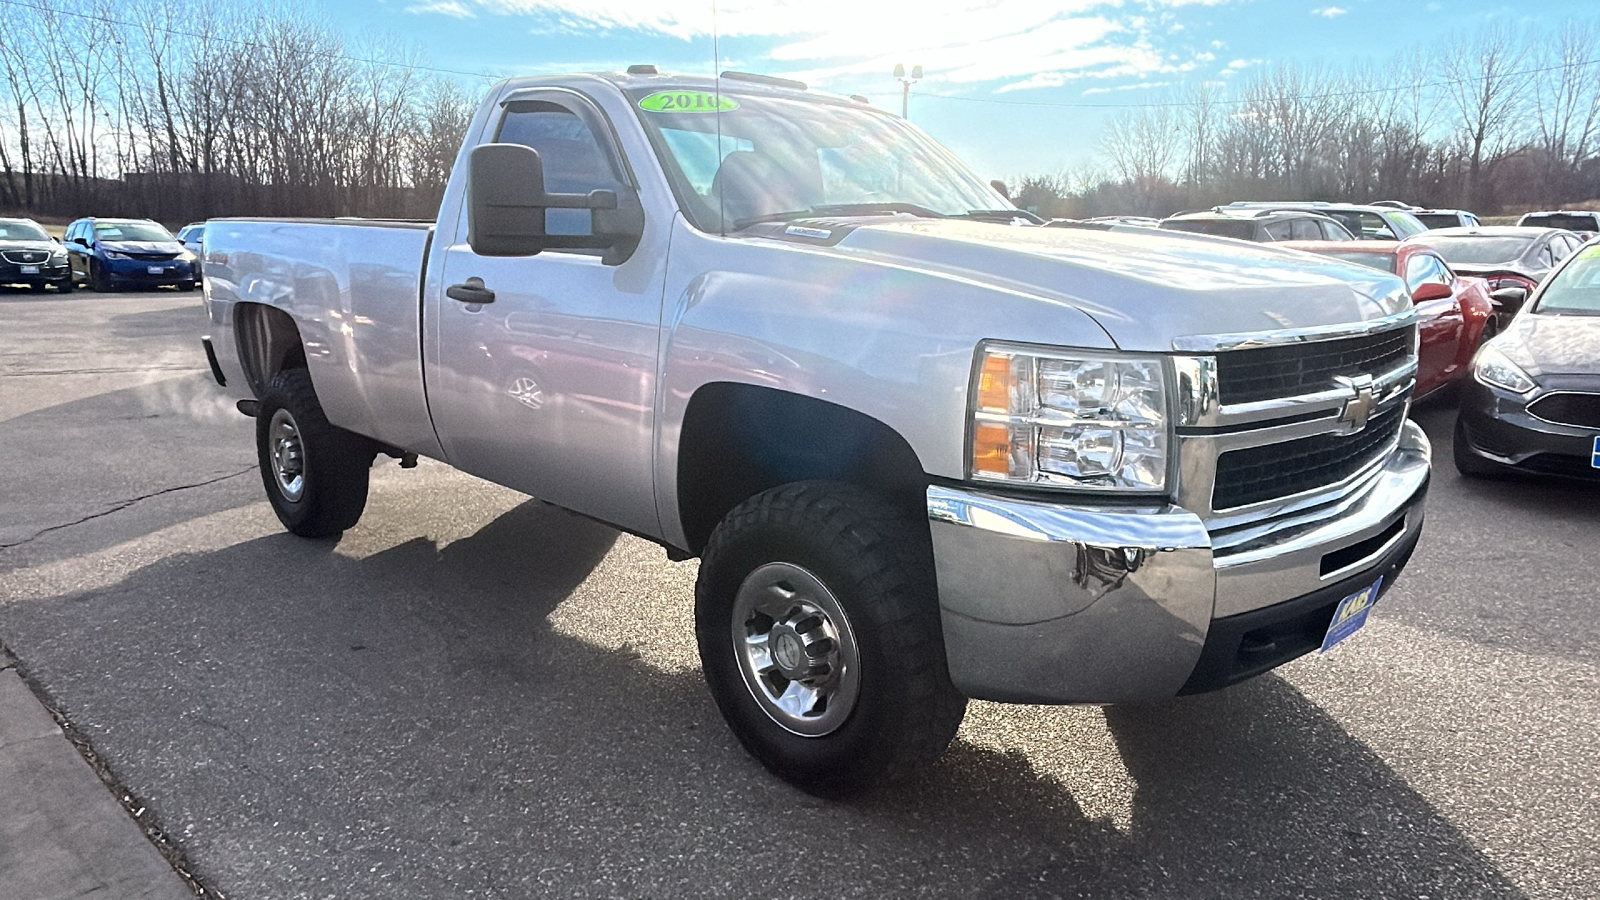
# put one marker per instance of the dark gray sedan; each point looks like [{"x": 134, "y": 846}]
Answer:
[
  {"x": 1513, "y": 258},
  {"x": 1533, "y": 401}
]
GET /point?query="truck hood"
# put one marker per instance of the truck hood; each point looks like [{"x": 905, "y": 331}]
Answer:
[{"x": 1147, "y": 289}]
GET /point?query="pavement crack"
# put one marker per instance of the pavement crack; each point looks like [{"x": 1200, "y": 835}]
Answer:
[{"x": 124, "y": 505}]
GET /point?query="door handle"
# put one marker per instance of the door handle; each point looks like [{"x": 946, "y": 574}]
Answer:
[{"x": 472, "y": 291}]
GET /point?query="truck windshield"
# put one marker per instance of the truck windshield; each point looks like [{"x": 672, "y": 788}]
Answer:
[{"x": 783, "y": 158}]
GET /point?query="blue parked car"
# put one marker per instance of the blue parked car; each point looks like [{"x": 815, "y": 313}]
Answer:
[{"x": 110, "y": 253}]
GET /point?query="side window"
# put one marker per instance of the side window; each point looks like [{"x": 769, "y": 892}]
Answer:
[
  {"x": 1424, "y": 268},
  {"x": 1562, "y": 246},
  {"x": 574, "y": 158},
  {"x": 1305, "y": 230},
  {"x": 1279, "y": 231},
  {"x": 1333, "y": 231},
  {"x": 1373, "y": 226},
  {"x": 1546, "y": 257}
]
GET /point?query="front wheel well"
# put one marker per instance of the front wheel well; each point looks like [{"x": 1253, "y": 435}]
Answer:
[{"x": 738, "y": 440}]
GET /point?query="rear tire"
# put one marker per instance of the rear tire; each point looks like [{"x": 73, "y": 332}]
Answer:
[
  {"x": 817, "y": 618},
  {"x": 1470, "y": 464},
  {"x": 315, "y": 474},
  {"x": 99, "y": 281}
]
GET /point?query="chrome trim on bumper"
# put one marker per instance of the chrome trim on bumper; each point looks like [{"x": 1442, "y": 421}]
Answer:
[
  {"x": 1046, "y": 603},
  {"x": 1043, "y": 603}
]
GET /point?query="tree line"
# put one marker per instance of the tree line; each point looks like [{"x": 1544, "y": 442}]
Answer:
[
  {"x": 188, "y": 111},
  {"x": 1502, "y": 118}
]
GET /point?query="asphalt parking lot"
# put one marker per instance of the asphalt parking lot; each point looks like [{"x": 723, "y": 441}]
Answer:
[{"x": 473, "y": 694}]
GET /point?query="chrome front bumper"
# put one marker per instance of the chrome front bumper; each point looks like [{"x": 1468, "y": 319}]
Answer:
[{"x": 1046, "y": 603}]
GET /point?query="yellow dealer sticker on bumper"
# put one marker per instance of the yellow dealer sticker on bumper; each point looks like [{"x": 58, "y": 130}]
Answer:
[{"x": 686, "y": 101}]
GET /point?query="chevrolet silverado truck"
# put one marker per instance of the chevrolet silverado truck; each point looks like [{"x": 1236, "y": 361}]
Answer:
[{"x": 924, "y": 450}]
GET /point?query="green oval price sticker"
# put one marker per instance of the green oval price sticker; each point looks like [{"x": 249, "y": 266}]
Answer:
[{"x": 686, "y": 101}]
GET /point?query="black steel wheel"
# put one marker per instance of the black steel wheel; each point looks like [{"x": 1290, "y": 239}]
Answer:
[{"x": 817, "y": 619}]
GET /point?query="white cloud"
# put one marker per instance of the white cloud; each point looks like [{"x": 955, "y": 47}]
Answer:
[
  {"x": 1329, "y": 12},
  {"x": 1026, "y": 43},
  {"x": 1238, "y": 65},
  {"x": 453, "y": 8}
]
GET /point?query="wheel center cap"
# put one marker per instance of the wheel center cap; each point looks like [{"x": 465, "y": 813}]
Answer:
[{"x": 788, "y": 652}]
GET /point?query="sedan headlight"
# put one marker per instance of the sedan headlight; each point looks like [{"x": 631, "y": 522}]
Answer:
[
  {"x": 1497, "y": 370},
  {"x": 112, "y": 254},
  {"x": 58, "y": 255},
  {"x": 1068, "y": 419}
]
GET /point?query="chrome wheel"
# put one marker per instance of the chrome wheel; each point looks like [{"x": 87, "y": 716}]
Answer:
[
  {"x": 795, "y": 649},
  {"x": 287, "y": 454}
]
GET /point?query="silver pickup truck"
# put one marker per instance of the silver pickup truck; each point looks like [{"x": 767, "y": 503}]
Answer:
[{"x": 924, "y": 449}]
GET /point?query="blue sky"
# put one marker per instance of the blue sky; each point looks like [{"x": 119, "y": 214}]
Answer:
[{"x": 1004, "y": 59}]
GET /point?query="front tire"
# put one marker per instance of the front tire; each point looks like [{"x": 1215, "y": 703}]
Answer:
[
  {"x": 64, "y": 286},
  {"x": 186, "y": 287},
  {"x": 315, "y": 474},
  {"x": 99, "y": 281},
  {"x": 817, "y": 618}
]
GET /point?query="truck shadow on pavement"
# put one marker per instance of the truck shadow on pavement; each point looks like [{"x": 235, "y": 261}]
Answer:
[{"x": 303, "y": 718}]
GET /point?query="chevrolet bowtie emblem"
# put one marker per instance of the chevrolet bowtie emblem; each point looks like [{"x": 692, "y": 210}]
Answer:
[{"x": 1358, "y": 409}]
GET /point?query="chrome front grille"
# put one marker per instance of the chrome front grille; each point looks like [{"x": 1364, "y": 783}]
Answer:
[
  {"x": 1267, "y": 373},
  {"x": 1288, "y": 428},
  {"x": 25, "y": 257},
  {"x": 1273, "y": 471}
]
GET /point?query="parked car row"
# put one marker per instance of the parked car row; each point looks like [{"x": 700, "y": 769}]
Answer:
[{"x": 103, "y": 254}]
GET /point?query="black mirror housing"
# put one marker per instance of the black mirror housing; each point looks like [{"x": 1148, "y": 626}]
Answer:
[
  {"x": 506, "y": 205},
  {"x": 1509, "y": 296}
]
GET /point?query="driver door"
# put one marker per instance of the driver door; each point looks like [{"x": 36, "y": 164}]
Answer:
[{"x": 550, "y": 387}]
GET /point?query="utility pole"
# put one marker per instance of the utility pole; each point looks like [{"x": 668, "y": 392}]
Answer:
[{"x": 905, "y": 86}]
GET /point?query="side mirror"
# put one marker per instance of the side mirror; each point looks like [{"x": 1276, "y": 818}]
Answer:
[
  {"x": 1509, "y": 296},
  {"x": 1431, "y": 290},
  {"x": 507, "y": 202}
]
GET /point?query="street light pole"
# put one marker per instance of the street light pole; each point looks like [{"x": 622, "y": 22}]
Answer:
[{"x": 905, "y": 86}]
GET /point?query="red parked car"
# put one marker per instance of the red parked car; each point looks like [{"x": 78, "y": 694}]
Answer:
[{"x": 1455, "y": 313}]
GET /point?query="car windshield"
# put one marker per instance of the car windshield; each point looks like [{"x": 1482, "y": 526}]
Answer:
[
  {"x": 1384, "y": 262},
  {"x": 1575, "y": 290},
  {"x": 1584, "y": 222},
  {"x": 1234, "y": 228},
  {"x": 782, "y": 158},
  {"x": 1404, "y": 224},
  {"x": 1479, "y": 250},
  {"x": 130, "y": 231},
  {"x": 21, "y": 230}
]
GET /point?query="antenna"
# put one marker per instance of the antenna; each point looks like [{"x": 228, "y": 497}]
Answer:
[{"x": 716, "y": 66}]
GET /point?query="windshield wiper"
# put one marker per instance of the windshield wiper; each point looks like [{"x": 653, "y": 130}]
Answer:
[
  {"x": 841, "y": 209},
  {"x": 1000, "y": 215}
]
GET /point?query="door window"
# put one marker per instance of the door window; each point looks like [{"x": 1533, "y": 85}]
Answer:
[
  {"x": 1306, "y": 230},
  {"x": 575, "y": 159},
  {"x": 1425, "y": 268},
  {"x": 1278, "y": 231}
]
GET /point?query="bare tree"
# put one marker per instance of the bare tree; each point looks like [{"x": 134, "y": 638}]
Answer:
[{"x": 1486, "y": 89}]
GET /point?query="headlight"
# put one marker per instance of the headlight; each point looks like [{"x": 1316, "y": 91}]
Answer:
[
  {"x": 58, "y": 255},
  {"x": 1079, "y": 420},
  {"x": 112, "y": 254},
  {"x": 1497, "y": 370}
]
